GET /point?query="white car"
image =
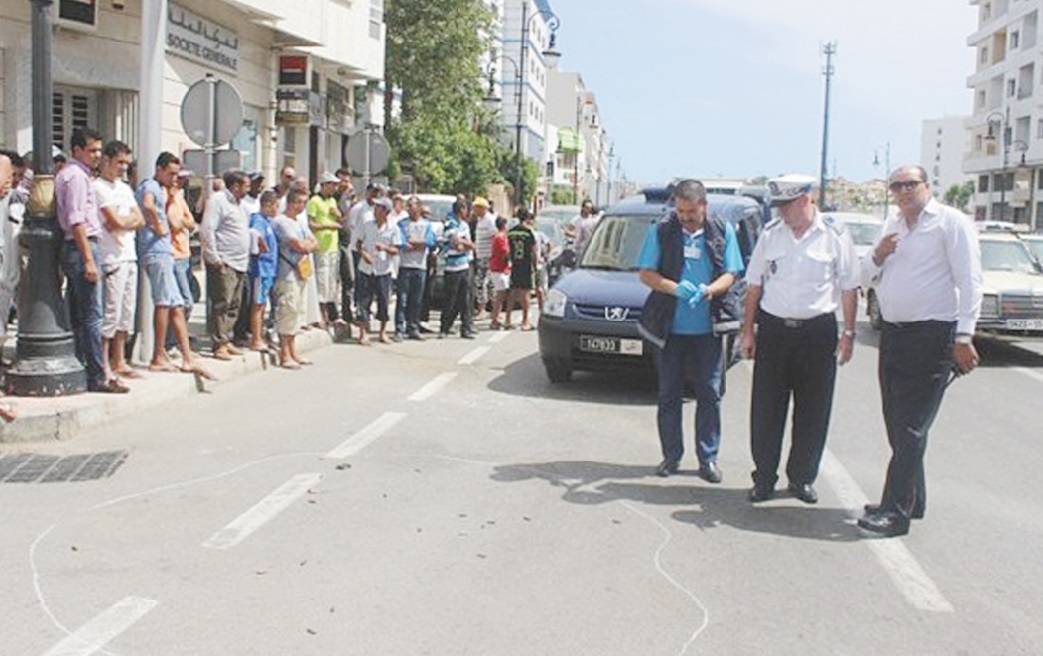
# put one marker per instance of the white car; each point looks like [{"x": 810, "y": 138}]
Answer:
[{"x": 864, "y": 228}]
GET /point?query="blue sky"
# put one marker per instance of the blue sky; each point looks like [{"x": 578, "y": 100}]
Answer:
[{"x": 735, "y": 87}]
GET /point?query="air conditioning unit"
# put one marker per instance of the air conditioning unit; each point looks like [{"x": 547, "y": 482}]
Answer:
[{"x": 76, "y": 14}]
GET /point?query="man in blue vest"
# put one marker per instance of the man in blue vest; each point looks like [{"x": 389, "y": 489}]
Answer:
[{"x": 690, "y": 261}]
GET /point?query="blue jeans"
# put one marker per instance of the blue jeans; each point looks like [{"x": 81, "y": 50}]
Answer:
[
  {"x": 182, "y": 270},
  {"x": 410, "y": 297},
  {"x": 86, "y": 309},
  {"x": 699, "y": 359}
]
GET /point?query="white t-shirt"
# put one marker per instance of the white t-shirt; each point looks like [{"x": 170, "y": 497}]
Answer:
[
  {"x": 584, "y": 229},
  {"x": 115, "y": 245},
  {"x": 484, "y": 230},
  {"x": 370, "y": 235},
  {"x": 361, "y": 212}
]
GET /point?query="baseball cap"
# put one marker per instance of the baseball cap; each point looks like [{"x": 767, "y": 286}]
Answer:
[
  {"x": 480, "y": 201},
  {"x": 256, "y": 175},
  {"x": 383, "y": 202},
  {"x": 328, "y": 177},
  {"x": 786, "y": 188}
]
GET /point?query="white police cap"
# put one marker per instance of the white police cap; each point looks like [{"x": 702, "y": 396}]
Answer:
[{"x": 790, "y": 187}]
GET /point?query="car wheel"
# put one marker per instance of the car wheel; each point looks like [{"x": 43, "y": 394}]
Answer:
[
  {"x": 873, "y": 310},
  {"x": 558, "y": 371}
]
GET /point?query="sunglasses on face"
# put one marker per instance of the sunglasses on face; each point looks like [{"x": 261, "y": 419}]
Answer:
[{"x": 904, "y": 185}]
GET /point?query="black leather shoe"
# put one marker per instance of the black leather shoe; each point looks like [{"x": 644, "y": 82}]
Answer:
[
  {"x": 874, "y": 509},
  {"x": 710, "y": 472},
  {"x": 804, "y": 491},
  {"x": 759, "y": 493},
  {"x": 887, "y": 525},
  {"x": 666, "y": 468}
]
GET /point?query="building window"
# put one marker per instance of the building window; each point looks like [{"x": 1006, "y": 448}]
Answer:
[
  {"x": 1011, "y": 88},
  {"x": 1014, "y": 39},
  {"x": 376, "y": 18},
  {"x": 983, "y": 184},
  {"x": 983, "y": 55}
]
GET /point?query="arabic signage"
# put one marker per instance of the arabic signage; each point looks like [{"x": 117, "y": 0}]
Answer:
[{"x": 202, "y": 40}]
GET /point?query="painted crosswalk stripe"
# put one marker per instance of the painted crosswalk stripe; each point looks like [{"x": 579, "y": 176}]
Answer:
[
  {"x": 906, "y": 573},
  {"x": 475, "y": 355},
  {"x": 499, "y": 337},
  {"x": 95, "y": 634},
  {"x": 360, "y": 440},
  {"x": 262, "y": 513},
  {"x": 434, "y": 387}
]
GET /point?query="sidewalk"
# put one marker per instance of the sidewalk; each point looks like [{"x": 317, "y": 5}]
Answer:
[{"x": 63, "y": 417}]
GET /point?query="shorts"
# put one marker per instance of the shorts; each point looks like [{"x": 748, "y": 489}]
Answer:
[
  {"x": 121, "y": 298},
  {"x": 542, "y": 278},
  {"x": 501, "y": 281},
  {"x": 261, "y": 289},
  {"x": 159, "y": 269},
  {"x": 289, "y": 305},
  {"x": 521, "y": 275},
  {"x": 327, "y": 275},
  {"x": 368, "y": 289}
]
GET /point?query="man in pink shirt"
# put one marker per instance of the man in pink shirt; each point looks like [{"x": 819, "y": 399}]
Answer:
[{"x": 77, "y": 205}]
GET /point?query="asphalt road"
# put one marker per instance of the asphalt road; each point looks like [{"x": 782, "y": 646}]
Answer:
[{"x": 444, "y": 498}]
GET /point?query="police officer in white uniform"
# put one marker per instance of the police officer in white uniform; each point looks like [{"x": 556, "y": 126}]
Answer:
[{"x": 803, "y": 267}]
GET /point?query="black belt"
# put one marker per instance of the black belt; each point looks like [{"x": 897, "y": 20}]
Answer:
[
  {"x": 908, "y": 325},
  {"x": 791, "y": 323}
]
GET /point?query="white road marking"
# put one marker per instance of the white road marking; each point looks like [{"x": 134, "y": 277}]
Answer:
[
  {"x": 475, "y": 355},
  {"x": 496, "y": 338},
  {"x": 366, "y": 436},
  {"x": 891, "y": 553},
  {"x": 658, "y": 562},
  {"x": 434, "y": 387},
  {"x": 95, "y": 634},
  {"x": 1031, "y": 373},
  {"x": 262, "y": 513}
]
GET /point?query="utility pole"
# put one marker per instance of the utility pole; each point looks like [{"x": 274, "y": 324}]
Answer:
[{"x": 829, "y": 50}]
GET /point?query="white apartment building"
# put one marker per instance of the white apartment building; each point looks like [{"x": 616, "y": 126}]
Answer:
[
  {"x": 578, "y": 145},
  {"x": 301, "y": 68},
  {"x": 525, "y": 43},
  {"x": 943, "y": 144},
  {"x": 1005, "y": 130}
]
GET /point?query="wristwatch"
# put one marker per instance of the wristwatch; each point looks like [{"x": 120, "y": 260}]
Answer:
[{"x": 848, "y": 333}]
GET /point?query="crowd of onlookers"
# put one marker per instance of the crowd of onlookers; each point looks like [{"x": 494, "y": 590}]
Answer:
[{"x": 278, "y": 260}]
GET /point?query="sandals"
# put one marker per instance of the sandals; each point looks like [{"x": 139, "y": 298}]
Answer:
[
  {"x": 111, "y": 386},
  {"x": 8, "y": 413}
]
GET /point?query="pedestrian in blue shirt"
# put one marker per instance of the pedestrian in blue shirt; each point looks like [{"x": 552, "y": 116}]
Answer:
[
  {"x": 264, "y": 264},
  {"x": 690, "y": 261}
]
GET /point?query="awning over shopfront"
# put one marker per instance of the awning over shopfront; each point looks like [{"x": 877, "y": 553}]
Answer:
[{"x": 568, "y": 140}]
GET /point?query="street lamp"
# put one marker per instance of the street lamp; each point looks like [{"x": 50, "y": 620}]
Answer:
[
  {"x": 887, "y": 173},
  {"x": 553, "y": 23},
  {"x": 45, "y": 360},
  {"x": 1002, "y": 120}
]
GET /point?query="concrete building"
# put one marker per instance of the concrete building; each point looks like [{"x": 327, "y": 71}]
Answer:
[
  {"x": 943, "y": 143},
  {"x": 577, "y": 157},
  {"x": 1005, "y": 130},
  {"x": 302, "y": 70}
]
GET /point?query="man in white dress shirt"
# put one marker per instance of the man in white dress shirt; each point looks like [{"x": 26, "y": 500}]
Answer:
[
  {"x": 803, "y": 267},
  {"x": 927, "y": 265}
]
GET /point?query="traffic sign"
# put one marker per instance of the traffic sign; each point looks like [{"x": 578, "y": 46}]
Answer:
[
  {"x": 224, "y": 160},
  {"x": 212, "y": 112},
  {"x": 367, "y": 161}
]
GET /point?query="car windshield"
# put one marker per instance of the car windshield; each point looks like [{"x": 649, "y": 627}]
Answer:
[
  {"x": 863, "y": 234},
  {"x": 551, "y": 230},
  {"x": 616, "y": 242},
  {"x": 1006, "y": 256},
  {"x": 439, "y": 208}
]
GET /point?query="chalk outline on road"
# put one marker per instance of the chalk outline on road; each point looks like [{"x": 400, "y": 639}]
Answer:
[{"x": 262, "y": 512}]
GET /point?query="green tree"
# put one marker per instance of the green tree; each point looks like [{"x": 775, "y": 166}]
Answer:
[
  {"x": 959, "y": 196},
  {"x": 444, "y": 136}
]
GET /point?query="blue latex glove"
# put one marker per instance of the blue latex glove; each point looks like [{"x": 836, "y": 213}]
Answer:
[
  {"x": 698, "y": 297},
  {"x": 686, "y": 290}
]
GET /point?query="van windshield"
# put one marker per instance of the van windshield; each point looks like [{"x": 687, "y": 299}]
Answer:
[{"x": 616, "y": 242}]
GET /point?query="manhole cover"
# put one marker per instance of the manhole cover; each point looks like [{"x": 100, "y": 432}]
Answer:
[{"x": 37, "y": 468}]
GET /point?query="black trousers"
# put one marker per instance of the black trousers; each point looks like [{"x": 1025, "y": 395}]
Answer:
[
  {"x": 915, "y": 368},
  {"x": 794, "y": 359},
  {"x": 347, "y": 282},
  {"x": 457, "y": 302}
]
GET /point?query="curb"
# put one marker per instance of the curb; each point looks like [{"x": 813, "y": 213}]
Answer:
[{"x": 62, "y": 418}]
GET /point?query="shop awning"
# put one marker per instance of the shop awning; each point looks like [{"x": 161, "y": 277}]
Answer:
[{"x": 568, "y": 140}]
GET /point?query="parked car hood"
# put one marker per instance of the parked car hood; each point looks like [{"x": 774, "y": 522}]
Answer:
[
  {"x": 595, "y": 287},
  {"x": 1011, "y": 282}
]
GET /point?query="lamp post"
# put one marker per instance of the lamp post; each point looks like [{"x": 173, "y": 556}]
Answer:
[
  {"x": 887, "y": 172},
  {"x": 1002, "y": 120},
  {"x": 45, "y": 360},
  {"x": 553, "y": 22},
  {"x": 517, "y": 124}
]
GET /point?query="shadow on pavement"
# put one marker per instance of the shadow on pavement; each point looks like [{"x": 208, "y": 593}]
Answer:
[
  {"x": 996, "y": 353},
  {"x": 711, "y": 506},
  {"x": 526, "y": 377}
]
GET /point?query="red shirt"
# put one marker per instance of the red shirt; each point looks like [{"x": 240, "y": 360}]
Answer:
[{"x": 500, "y": 259}]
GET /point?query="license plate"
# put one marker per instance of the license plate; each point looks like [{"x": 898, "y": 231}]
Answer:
[
  {"x": 601, "y": 344},
  {"x": 1024, "y": 324}
]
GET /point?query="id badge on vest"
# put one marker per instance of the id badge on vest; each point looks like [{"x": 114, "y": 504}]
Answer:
[{"x": 692, "y": 250}]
